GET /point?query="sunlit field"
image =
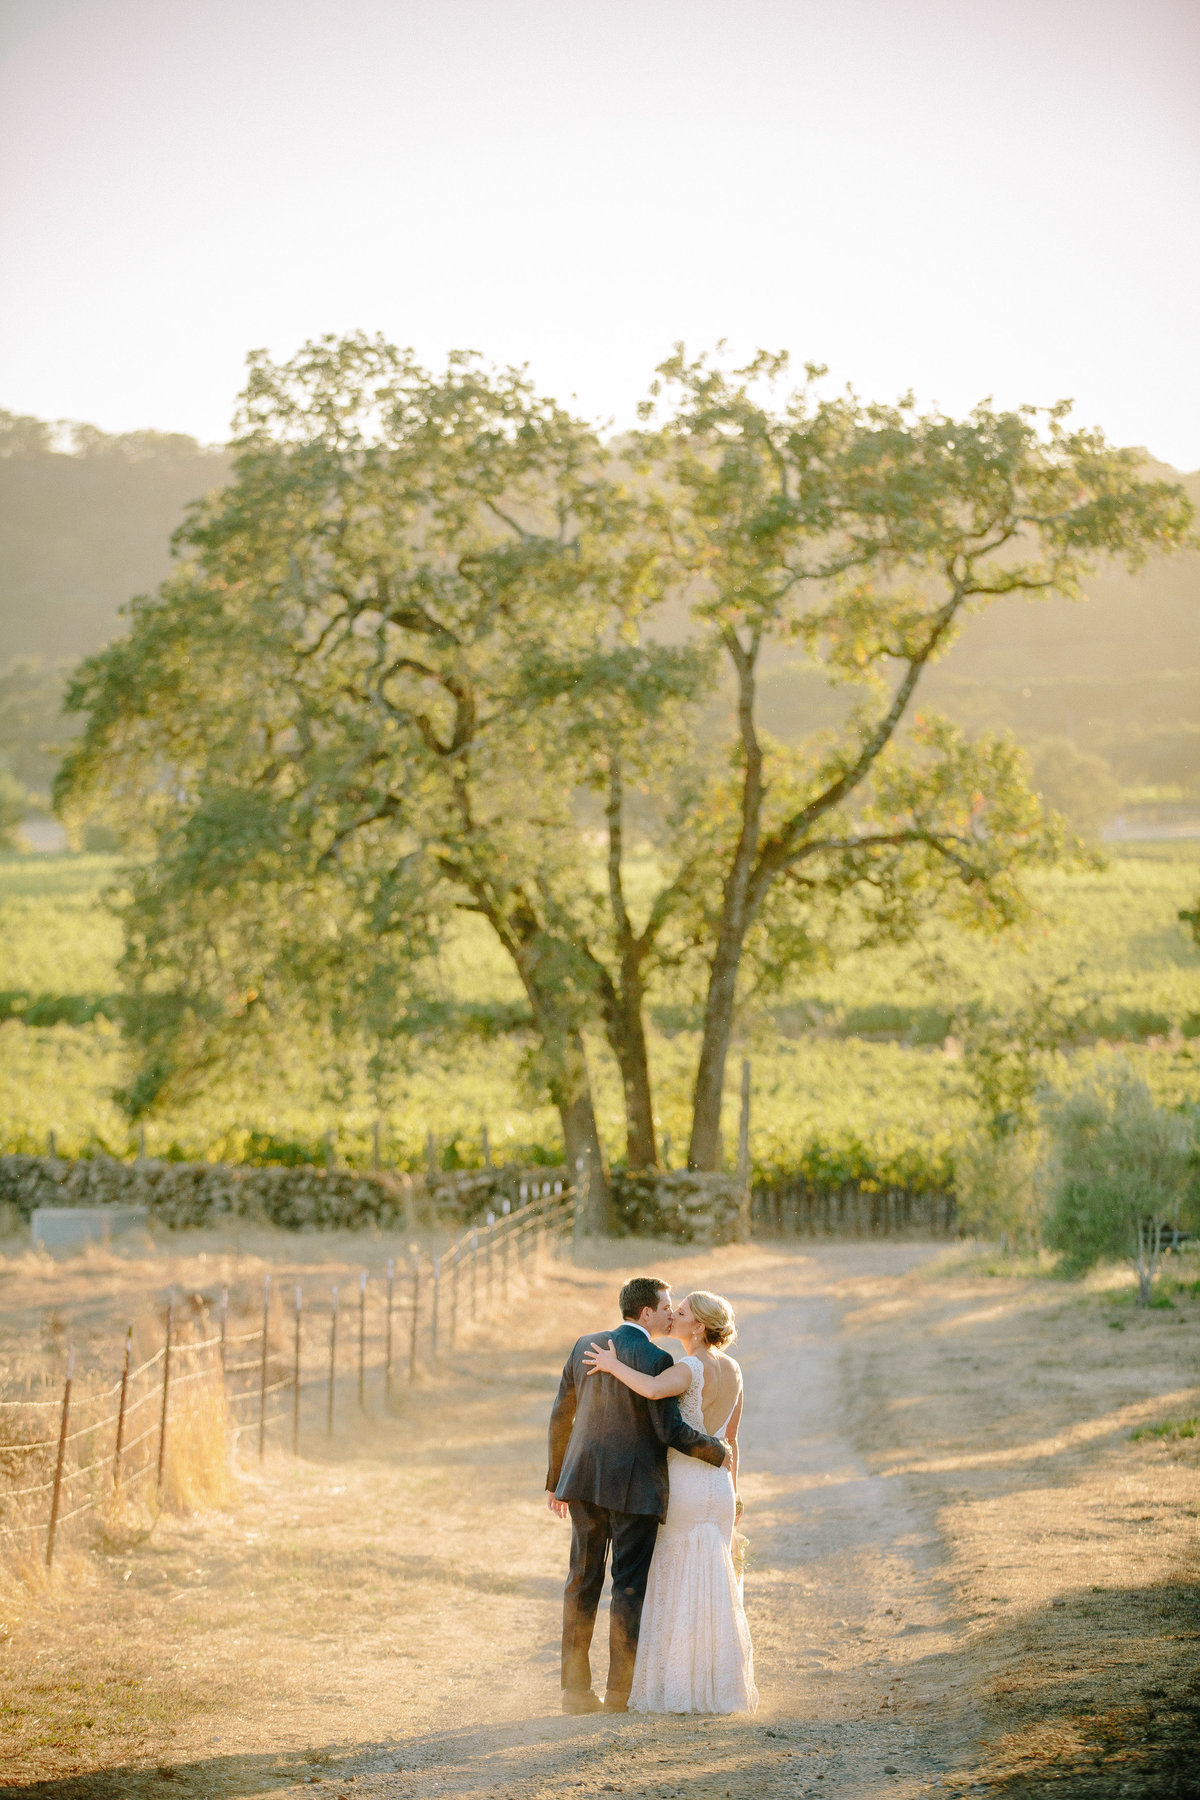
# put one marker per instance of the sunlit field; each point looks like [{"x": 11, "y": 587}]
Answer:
[{"x": 852, "y": 1074}]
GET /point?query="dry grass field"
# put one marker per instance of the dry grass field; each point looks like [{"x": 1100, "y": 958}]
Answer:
[{"x": 969, "y": 1572}]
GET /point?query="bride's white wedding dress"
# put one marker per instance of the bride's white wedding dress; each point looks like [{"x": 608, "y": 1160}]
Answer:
[{"x": 694, "y": 1652}]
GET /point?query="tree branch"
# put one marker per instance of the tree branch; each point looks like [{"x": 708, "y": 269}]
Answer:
[{"x": 776, "y": 853}]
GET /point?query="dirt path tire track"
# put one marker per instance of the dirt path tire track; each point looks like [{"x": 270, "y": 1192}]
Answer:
[{"x": 382, "y": 1620}]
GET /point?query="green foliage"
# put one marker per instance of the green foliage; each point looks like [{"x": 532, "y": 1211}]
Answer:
[
  {"x": 13, "y": 807},
  {"x": 1006, "y": 1055},
  {"x": 1122, "y": 1169},
  {"x": 406, "y": 661},
  {"x": 1007, "y": 1058},
  {"x": 998, "y": 1186},
  {"x": 1191, "y": 916},
  {"x": 1105, "y": 939},
  {"x": 350, "y": 714},
  {"x": 31, "y": 722},
  {"x": 1078, "y": 785},
  {"x": 866, "y": 536},
  {"x": 840, "y": 1105}
]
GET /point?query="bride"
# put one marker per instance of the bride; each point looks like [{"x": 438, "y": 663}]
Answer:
[{"x": 694, "y": 1651}]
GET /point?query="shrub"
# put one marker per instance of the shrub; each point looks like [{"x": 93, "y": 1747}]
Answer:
[
  {"x": 1121, "y": 1170},
  {"x": 999, "y": 1188}
]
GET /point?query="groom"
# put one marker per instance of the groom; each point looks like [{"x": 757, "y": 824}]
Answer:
[{"x": 608, "y": 1473}]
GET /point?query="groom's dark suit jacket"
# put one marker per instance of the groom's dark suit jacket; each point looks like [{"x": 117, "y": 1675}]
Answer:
[{"x": 608, "y": 1445}]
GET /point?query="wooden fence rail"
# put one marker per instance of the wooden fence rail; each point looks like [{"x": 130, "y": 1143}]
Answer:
[
  {"x": 65, "y": 1456},
  {"x": 792, "y": 1207}
]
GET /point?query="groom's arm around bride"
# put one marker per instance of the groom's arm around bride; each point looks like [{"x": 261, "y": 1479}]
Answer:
[
  {"x": 608, "y": 1472},
  {"x": 612, "y": 1457}
]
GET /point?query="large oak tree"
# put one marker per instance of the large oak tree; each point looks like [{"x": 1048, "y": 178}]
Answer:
[
  {"x": 866, "y": 536},
  {"x": 409, "y": 664}
]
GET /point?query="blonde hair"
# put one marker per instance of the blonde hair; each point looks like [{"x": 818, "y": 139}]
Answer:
[{"x": 716, "y": 1316}]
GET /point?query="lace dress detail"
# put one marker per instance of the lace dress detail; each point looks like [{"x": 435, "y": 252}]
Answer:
[{"x": 694, "y": 1652}]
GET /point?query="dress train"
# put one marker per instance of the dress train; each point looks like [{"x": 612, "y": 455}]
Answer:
[{"x": 694, "y": 1652}]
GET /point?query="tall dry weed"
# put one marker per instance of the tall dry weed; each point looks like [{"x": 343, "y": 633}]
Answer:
[{"x": 197, "y": 1471}]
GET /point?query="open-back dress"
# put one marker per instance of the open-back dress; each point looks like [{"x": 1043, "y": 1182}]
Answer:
[{"x": 694, "y": 1652}]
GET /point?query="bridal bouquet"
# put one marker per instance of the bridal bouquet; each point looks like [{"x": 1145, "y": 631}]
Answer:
[{"x": 740, "y": 1552}]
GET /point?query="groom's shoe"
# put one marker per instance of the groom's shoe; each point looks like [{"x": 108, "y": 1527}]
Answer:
[
  {"x": 616, "y": 1702},
  {"x": 580, "y": 1700}
]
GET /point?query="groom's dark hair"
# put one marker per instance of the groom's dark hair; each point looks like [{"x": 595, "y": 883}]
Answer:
[{"x": 642, "y": 1291}]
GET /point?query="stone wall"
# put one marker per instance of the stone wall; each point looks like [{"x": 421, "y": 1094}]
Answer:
[
  {"x": 681, "y": 1204},
  {"x": 194, "y": 1194}
]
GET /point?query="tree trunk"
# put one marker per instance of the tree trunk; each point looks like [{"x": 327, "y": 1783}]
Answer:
[
  {"x": 705, "y": 1147},
  {"x": 745, "y": 1182},
  {"x": 628, "y": 1040},
  {"x": 737, "y": 911},
  {"x": 1149, "y": 1248},
  {"x": 564, "y": 1059},
  {"x": 623, "y": 1001},
  {"x": 572, "y": 1095}
]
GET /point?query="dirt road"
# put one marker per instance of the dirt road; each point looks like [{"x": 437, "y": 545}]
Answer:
[{"x": 965, "y": 1573}]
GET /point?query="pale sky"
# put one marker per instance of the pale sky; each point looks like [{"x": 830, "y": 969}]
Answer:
[{"x": 964, "y": 197}]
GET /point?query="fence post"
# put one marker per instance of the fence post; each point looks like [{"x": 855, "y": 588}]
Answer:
[
  {"x": 376, "y": 1160},
  {"x": 262, "y": 1368},
  {"x": 118, "y": 1446},
  {"x": 387, "y": 1351},
  {"x": 296, "y": 1373},
  {"x": 583, "y": 1194},
  {"x": 456, "y": 1257},
  {"x": 224, "y": 1326},
  {"x": 362, "y": 1339},
  {"x": 166, "y": 1390},
  {"x": 433, "y": 1314},
  {"x": 62, "y": 1451},
  {"x": 416, "y": 1314},
  {"x": 332, "y": 1359},
  {"x": 490, "y": 1271},
  {"x": 745, "y": 1230},
  {"x": 474, "y": 1276}
]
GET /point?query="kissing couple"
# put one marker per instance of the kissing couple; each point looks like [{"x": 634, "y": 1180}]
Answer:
[{"x": 644, "y": 1459}]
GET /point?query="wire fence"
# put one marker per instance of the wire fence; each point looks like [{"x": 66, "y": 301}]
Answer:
[{"x": 86, "y": 1449}]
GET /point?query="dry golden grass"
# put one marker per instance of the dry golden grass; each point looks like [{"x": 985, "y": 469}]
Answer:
[{"x": 966, "y": 1567}]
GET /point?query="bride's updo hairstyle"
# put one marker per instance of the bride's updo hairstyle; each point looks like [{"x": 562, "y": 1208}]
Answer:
[{"x": 716, "y": 1316}]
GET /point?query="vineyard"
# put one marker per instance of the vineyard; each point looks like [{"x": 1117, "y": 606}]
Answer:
[{"x": 855, "y": 1076}]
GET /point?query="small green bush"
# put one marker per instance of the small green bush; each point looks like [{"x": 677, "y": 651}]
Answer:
[{"x": 1121, "y": 1171}]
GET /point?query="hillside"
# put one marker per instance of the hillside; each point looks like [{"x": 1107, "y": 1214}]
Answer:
[
  {"x": 86, "y": 520},
  {"x": 83, "y": 529}
]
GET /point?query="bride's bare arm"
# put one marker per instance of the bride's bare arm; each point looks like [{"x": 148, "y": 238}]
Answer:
[
  {"x": 731, "y": 1438},
  {"x": 601, "y": 1361}
]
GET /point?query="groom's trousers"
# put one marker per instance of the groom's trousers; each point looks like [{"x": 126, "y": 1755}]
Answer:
[{"x": 631, "y": 1536}]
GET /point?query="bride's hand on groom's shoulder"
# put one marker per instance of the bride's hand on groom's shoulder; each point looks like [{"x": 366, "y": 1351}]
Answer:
[{"x": 600, "y": 1359}]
